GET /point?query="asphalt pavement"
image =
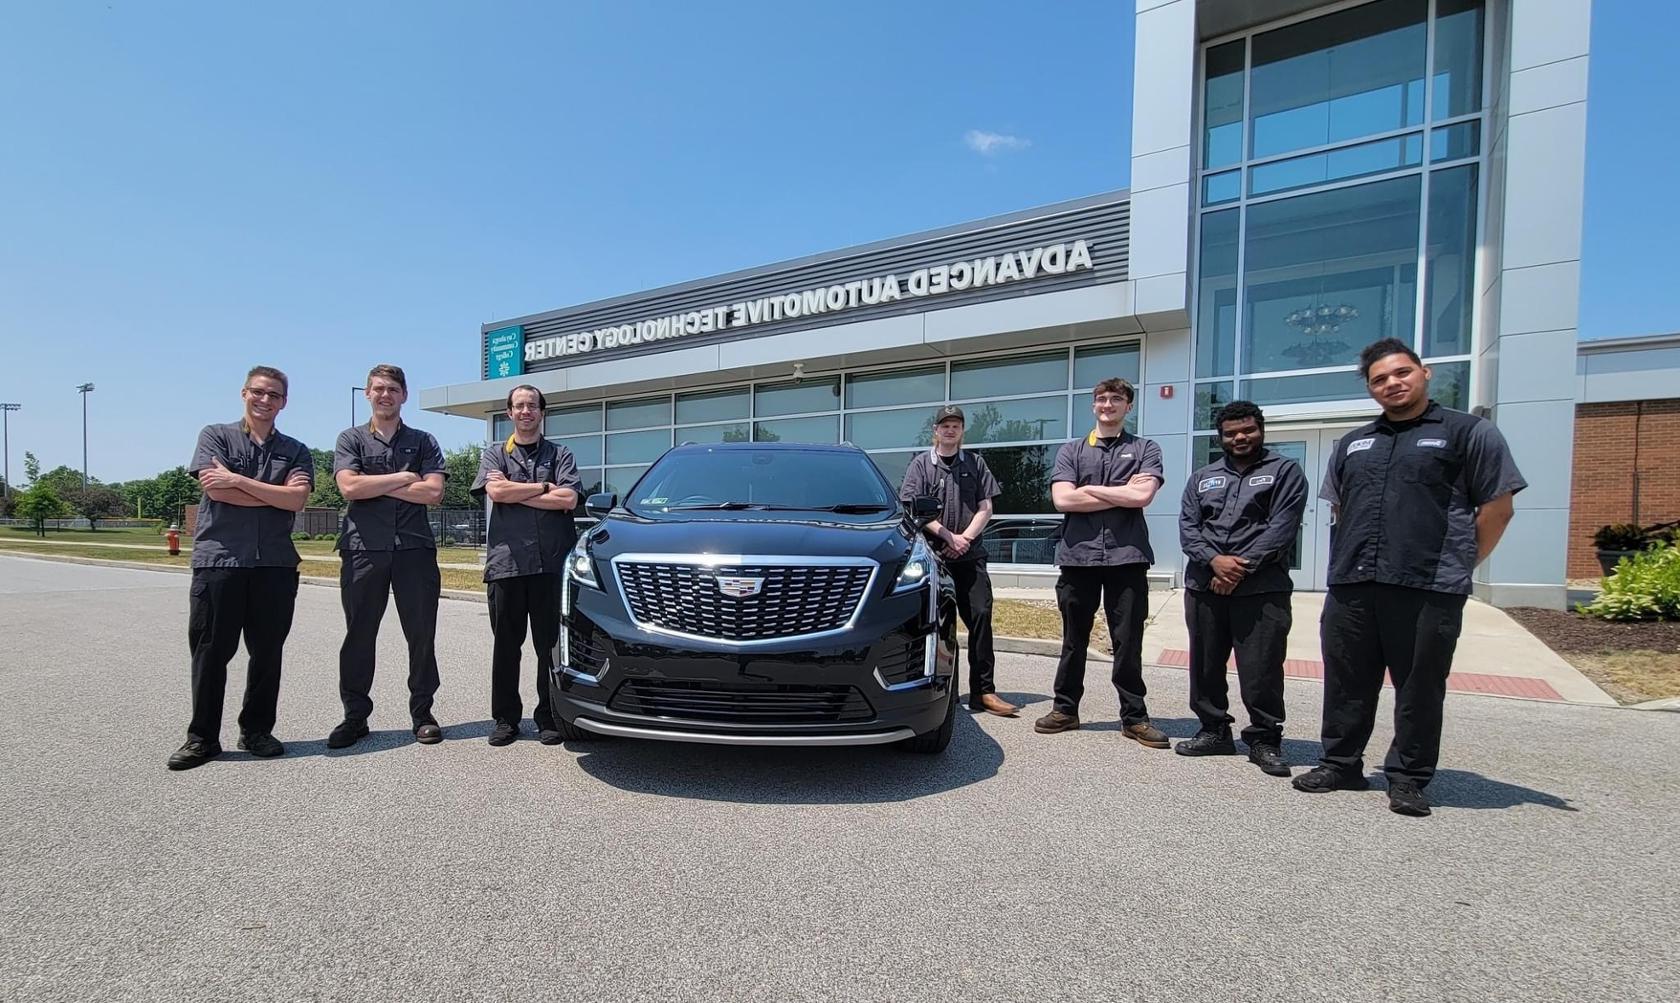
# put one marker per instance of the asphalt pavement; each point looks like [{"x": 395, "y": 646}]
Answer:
[{"x": 1014, "y": 867}]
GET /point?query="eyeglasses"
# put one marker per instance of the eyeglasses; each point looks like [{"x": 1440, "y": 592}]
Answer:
[
  {"x": 264, "y": 395},
  {"x": 525, "y": 407},
  {"x": 1111, "y": 399}
]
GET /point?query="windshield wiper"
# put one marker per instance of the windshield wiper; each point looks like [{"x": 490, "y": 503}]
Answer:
[
  {"x": 853, "y": 507},
  {"x": 728, "y": 506}
]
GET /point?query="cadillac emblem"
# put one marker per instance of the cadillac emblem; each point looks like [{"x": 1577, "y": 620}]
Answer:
[{"x": 739, "y": 588}]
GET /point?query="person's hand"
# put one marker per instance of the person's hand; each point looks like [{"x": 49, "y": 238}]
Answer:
[
  {"x": 1222, "y": 587},
  {"x": 1141, "y": 480},
  {"x": 958, "y": 545},
  {"x": 495, "y": 475},
  {"x": 1228, "y": 568},
  {"x": 410, "y": 477},
  {"x": 218, "y": 476}
]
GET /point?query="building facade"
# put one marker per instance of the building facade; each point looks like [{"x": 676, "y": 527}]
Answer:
[{"x": 1301, "y": 186}]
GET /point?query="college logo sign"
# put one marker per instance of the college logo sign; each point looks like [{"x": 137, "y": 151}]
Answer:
[{"x": 504, "y": 353}]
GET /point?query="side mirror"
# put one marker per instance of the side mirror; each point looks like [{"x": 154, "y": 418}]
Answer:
[
  {"x": 924, "y": 508},
  {"x": 599, "y": 505}
]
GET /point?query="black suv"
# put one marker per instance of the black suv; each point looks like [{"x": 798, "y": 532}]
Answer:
[{"x": 758, "y": 594}]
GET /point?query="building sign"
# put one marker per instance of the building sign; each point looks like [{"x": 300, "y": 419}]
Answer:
[
  {"x": 967, "y": 274},
  {"x": 505, "y": 353}
]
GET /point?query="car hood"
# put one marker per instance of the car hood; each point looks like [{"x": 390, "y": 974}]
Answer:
[{"x": 754, "y": 533}]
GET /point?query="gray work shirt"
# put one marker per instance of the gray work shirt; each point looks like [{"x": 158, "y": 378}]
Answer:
[
  {"x": 1113, "y": 536},
  {"x": 386, "y": 523},
  {"x": 238, "y": 536},
  {"x": 523, "y": 540},
  {"x": 960, "y": 486},
  {"x": 1254, "y": 514},
  {"x": 1406, "y": 495}
]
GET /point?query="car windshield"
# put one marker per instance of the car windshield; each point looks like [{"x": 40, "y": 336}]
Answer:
[{"x": 764, "y": 479}]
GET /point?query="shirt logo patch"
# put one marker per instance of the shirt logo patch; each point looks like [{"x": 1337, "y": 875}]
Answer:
[
  {"x": 1359, "y": 445},
  {"x": 1209, "y": 483},
  {"x": 1432, "y": 443},
  {"x": 1255, "y": 482},
  {"x": 1125, "y": 456}
]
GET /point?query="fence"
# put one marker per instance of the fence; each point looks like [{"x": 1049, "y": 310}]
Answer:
[{"x": 83, "y": 523}]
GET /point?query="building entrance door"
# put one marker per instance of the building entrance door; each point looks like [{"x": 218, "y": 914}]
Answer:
[{"x": 1310, "y": 447}]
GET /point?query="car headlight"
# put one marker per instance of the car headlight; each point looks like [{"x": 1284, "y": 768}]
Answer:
[
  {"x": 581, "y": 566},
  {"x": 918, "y": 569}
]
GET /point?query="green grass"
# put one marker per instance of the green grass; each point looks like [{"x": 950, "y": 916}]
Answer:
[{"x": 144, "y": 534}]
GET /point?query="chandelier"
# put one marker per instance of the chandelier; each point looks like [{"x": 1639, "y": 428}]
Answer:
[{"x": 1319, "y": 324}]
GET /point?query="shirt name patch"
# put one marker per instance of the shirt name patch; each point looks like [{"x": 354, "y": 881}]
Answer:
[
  {"x": 1209, "y": 483},
  {"x": 1125, "y": 456},
  {"x": 1255, "y": 482},
  {"x": 1432, "y": 443},
  {"x": 1358, "y": 445}
]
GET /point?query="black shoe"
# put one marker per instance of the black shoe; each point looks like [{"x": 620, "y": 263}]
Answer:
[
  {"x": 1323, "y": 779},
  {"x": 1055, "y": 722},
  {"x": 1207, "y": 743},
  {"x": 1269, "y": 758},
  {"x": 263, "y": 746},
  {"x": 548, "y": 734},
  {"x": 428, "y": 733},
  {"x": 1407, "y": 799},
  {"x": 194, "y": 753},
  {"x": 347, "y": 733},
  {"x": 504, "y": 733}
]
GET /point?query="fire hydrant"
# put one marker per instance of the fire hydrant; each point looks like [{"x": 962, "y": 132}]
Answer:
[{"x": 173, "y": 537}]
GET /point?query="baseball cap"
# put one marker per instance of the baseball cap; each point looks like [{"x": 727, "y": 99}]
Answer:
[{"x": 949, "y": 411}]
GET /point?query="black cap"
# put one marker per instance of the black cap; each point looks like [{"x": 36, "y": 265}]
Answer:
[{"x": 949, "y": 411}]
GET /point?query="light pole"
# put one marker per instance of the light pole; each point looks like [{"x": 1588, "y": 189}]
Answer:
[
  {"x": 6, "y": 433},
  {"x": 354, "y": 391},
  {"x": 84, "y": 389}
]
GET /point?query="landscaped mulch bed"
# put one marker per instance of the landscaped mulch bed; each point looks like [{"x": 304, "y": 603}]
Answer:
[{"x": 1566, "y": 631}]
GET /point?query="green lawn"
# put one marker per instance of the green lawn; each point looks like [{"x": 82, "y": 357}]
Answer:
[
  {"x": 141, "y": 535},
  {"x": 321, "y": 565}
]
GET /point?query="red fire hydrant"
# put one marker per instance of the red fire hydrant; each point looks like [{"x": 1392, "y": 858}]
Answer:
[{"x": 173, "y": 536}]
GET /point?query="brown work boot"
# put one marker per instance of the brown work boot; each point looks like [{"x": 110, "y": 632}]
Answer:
[
  {"x": 1056, "y": 721},
  {"x": 1145, "y": 733},
  {"x": 991, "y": 703}
]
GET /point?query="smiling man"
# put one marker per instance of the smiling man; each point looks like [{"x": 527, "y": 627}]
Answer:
[
  {"x": 1421, "y": 496},
  {"x": 244, "y": 567}
]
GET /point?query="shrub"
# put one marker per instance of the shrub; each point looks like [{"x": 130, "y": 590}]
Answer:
[
  {"x": 300, "y": 536},
  {"x": 1620, "y": 536},
  {"x": 326, "y": 536},
  {"x": 1645, "y": 586}
]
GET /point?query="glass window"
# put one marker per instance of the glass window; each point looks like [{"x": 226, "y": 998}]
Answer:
[
  {"x": 1216, "y": 293},
  {"x": 1336, "y": 165},
  {"x": 1019, "y": 540},
  {"x": 586, "y": 448},
  {"x": 1003, "y": 377},
  {"x": 1329, "y": 273},
  {"x": 573, "y": 420},
  {"x": 734, "y": 431},
  {"x": 1219, "y": 188},
  {"x": 637, "y": 447},
  {"x": 1222, "y": 108},
  {"x": 797, "y": 398},
  {"x": 1093, "y": 365},
  {"x": 1455, "y": 142},
  {"x": 823, "y": 429},
  {"x": 1204, "y": 450},
  {"x": 1341, "y": 76},
  {"x": 1458, "y": 58},
  {"x": 1023, "y": 472},
  {"x": 619, "y": 480},
  {"x": 1450, "y": 269},
  {"x": 912, "y": 426},
  {"x": 500, "y": 428},
  {"x": 714, "y": 405},
  {"x": 1342, "y": 386},
  {"x": 1210, "y": 397},
  {"x": 593, "y": 483},
  {"x": 893, "y": 465},
  {"x": 904, "y": 387},
  {"x": 1027, "y": 420},
  {"x": 642, "y": 413},
  {"x": 1449, "y": 384},
  {"x": 779, "y": 478}
]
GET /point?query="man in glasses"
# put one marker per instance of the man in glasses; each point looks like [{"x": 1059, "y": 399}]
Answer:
[
  {"x": 1103, "y": 481},
  {"x": 244, "y": 567},
  {"x": 388, "y": 473},
  {"x": 533, "y": 487}
]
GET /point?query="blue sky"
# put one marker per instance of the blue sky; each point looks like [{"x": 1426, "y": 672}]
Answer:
[{"x": 187, "y": 189}]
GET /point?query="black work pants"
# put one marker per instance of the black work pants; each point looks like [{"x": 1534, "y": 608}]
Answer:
[
  {"x": 1410, "y": 632},
  {"x": 1257, "y": 626},
  {"x": 367, "y": 579},
  {"x": 974, "y": 607},
  {"x": 1123, "y": 594},
  {"x": 533, "y": 599},
  {"x": 225, "y": 604}
]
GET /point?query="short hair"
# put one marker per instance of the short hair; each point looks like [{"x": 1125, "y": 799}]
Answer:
[
  {"x": 1116, "y": 385},
  {"x": 271, "y": 373},
  {"x": 390, "y": 372},
  {"x": 1237, "y": 411},
  {"x": 1377, "y": 350},
  {"x": 542, "y": 402}
]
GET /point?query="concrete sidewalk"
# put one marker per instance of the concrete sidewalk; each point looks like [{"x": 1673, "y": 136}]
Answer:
[{"x": 1496, "y": 655}]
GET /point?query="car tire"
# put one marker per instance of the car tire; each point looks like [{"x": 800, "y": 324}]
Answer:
[
  {"x": 570, "y": 732},
  {"x": 934, "y": 742}
]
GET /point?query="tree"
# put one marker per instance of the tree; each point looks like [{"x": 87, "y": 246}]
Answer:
[
  {"x": 39, "y": 504},
  {"x": 64, "y": 480},
  {"x": 174, "y": 491},
  {"x": 325, "y": 493},
  {"x": 94, "y": 502},
  {"x": 31, "y": 467},
  {"x": 462, "y": 467}
]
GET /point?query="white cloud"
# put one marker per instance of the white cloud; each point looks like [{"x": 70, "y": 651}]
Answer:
[{"x": 990, "y": 144}]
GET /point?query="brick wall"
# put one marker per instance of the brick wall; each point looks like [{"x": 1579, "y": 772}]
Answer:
[{"x": 1614, "y": 443}]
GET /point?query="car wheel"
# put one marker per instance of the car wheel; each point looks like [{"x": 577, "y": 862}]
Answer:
[
  {"x": 570, "y": 732},
  {"x": 935, "y": 741}
]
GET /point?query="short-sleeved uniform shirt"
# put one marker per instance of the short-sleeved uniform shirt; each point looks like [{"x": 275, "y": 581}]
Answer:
[
  {"x": 1113, "y": 536},
  {"x": 1254, "y": 514},
  {"x": 1406, "y": 495},
  {"x": 960, "y": 482},
  {"x": 237, "y": 536},
  {"x": 386, "y": 523},
  {"x": 523, "y": 540}
]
